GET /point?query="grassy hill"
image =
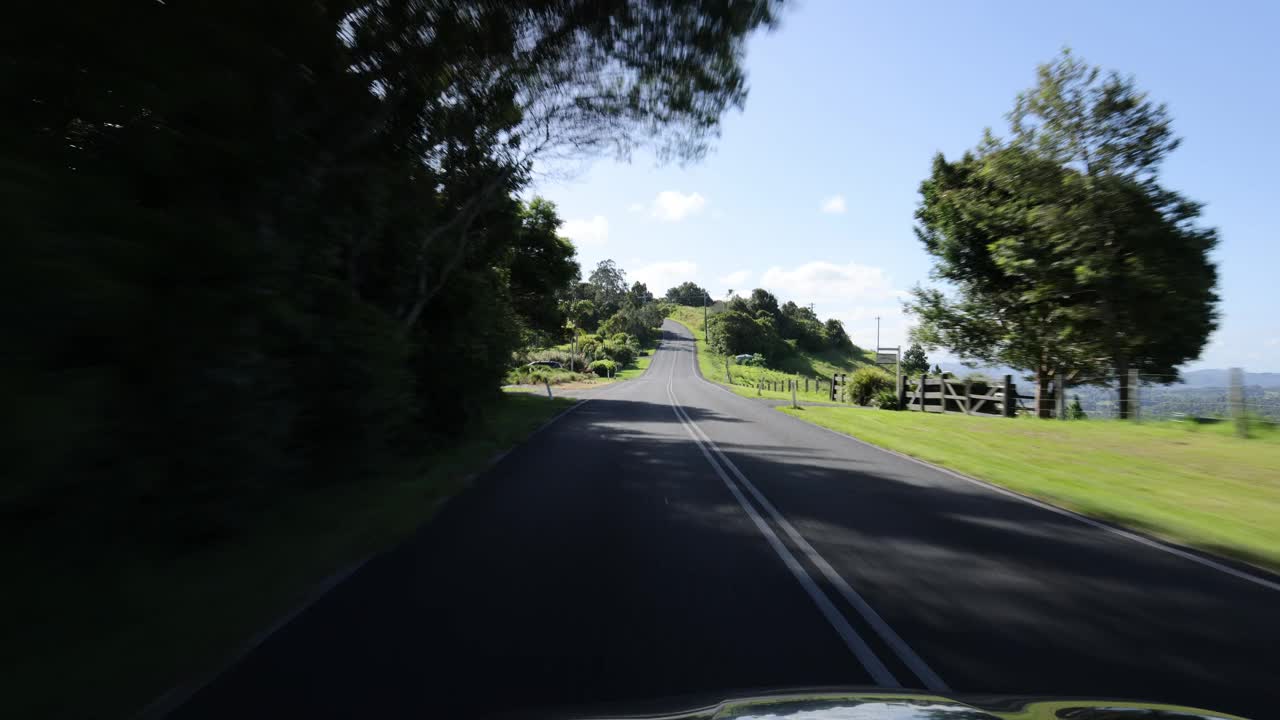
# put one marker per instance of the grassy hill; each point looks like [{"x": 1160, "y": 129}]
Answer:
[{"x": 744, "y": 379}]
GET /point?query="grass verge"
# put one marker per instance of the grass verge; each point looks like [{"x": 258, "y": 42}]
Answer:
[
  {"x": 1197, "y": 485},
  {"x": 103, "y": 637}
]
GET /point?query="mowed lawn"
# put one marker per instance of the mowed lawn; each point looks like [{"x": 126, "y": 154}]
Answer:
[{"x": 1195, "y": 484}]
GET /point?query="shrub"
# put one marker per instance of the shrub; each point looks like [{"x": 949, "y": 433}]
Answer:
[
  {"x": 1075, "y": 410},
  {"x": 735, "y": 333},
  {"x": 579, "y": 360},
  {"x": 886, "y": 400},
  {"x": 867, "y": 382},
  {"x": 979, "y": 384},
  {"x": 604, "y": 368},
  {"x": 620, "y": 353}
]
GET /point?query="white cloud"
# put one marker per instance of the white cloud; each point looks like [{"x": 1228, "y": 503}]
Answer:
[
  {"x": 635, "y": 207},
  {"x": 736, "y": 280},
  {"x": 821, "y": 281},
  {"x": 852, "y": 293},
  {"x": 1273, "y": 342},
  {"x": 673, "y": 206},
  {"x": 661, "y": 276},
  {"x": 584, "y": 232},
  {"x": 834, "y": 205}
]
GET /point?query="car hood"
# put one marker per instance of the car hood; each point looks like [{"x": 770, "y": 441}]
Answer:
[{"x": 910, "y": 706}]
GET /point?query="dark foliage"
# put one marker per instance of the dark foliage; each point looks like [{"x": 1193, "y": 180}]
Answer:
[
  {"x": 256, "y": 247},
  {"x": 688, "y": 293}
]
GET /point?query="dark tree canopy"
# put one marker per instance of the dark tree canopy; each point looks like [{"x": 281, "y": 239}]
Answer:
[
  {"x": 608, "y": 287},
  {"x": 914, "y": 360},
  {"x": 262, "y": 246},
  {"x": 1067, "y": 254},
  {"x": 763, "y": 301},
  {"x": 688, "y": 293}
]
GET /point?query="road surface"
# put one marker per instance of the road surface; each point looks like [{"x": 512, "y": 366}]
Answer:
[{"x": 667, "y": 538}]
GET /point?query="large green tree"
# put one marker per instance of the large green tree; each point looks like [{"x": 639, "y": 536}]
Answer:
[
  {"x": 253, "y": 247},
  {"x": 608, "y": 287},
  {"x": 1143, "y": 279},
  {"x": 1067, "y": 255}
]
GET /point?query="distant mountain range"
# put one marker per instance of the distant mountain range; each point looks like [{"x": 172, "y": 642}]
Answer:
[
  {"x": 1207, "y": 378},
  {"x": 1218, "y": 378}
]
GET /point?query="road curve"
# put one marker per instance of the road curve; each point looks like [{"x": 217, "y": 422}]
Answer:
[{"x": 667, "y": 537}]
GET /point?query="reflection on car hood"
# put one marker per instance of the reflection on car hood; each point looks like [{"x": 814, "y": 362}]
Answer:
[{"x": 887, "y": 706}]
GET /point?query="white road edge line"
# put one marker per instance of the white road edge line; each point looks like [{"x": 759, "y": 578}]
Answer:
[
  {"x": 879, "y": 673},
  {"x": 1149, "y": 542}
]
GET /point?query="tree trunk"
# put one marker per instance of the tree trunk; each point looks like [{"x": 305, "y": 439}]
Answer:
[{"x": 1122, "y": 395}]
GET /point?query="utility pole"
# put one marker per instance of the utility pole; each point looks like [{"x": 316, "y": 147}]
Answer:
[
  {"x": 877, "y": 333},
  {"x": 706, "y": 329}
]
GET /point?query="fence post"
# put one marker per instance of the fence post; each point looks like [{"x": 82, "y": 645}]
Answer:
[
  {"x": 897, "y": 372},
  {"x": 1135, "y": 405},
  {"x": 902, "y": 392},
  {"x": 1060, "y": 394},
  {"x": 794, "y": 384},
  {"x": 728, "y": 376},
  {"x": 548, "y": 385},
  {"x": 967, "y": 402},
  {"x": 833, "y": 386},
  {"x": 1010, "y": 403},
  {"x": 759, "y": 384},
  {"x": 1235, "y": 397}
]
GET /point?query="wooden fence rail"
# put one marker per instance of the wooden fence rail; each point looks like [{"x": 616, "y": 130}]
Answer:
[{"x": 950, "y": 395}]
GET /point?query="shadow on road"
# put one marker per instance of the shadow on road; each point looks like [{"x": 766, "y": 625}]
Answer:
[{"x": 607, "y": 562}]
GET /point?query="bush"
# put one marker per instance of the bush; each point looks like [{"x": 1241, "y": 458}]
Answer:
[
  {"x": 537, "y": 375},
  {"x": 886, "y": 400},
  {"x": 604, "y": 368},
  {"x": 620, "y": 353},
  {"x": 564, "y": 357},
  {"x": 867, "y": 382},
  {"x": 978, "y": 383},
  {"x": 1075, "y": 410},
  {"x": 735, "y": 333}
]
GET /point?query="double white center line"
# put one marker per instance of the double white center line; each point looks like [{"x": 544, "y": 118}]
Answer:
[{"x": 724, "y": 467}]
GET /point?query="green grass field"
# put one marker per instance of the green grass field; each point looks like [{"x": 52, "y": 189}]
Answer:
[
  {"x": 103, "y": 637},
  {"x": 745, "y": 379},
  {"x": 1194, "y": 484}
]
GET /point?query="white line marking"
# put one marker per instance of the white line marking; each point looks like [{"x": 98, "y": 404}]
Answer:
[
  {"x": 895, "y": 642},
  {"x": 1149, "y": 542},
  {"x": 879, "y": 673},
  {"x": 877, "y": 623}
]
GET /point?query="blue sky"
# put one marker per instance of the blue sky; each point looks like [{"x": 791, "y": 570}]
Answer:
[{"x": 810, "y": 190}]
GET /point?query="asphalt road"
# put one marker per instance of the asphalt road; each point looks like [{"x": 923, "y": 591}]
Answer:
[{"x": 668, "y": 537}]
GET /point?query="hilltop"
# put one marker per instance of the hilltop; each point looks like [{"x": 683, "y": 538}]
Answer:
[{"x": 795, "y": 363}]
